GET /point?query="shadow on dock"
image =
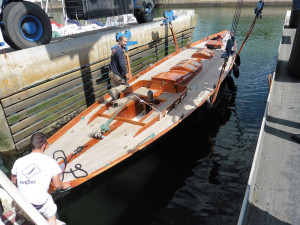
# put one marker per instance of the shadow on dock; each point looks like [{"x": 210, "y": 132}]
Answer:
[{"x": 261, "y": 217}]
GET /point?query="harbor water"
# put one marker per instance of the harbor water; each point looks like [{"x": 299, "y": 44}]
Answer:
[{"x": 193, "y": 176}]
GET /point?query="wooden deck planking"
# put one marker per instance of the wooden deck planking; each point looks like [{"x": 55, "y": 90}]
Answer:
[
  {"x": 68, "y": 144},
  {"x": 121, "y": 141},
  {"x": 107, "y": 150}
]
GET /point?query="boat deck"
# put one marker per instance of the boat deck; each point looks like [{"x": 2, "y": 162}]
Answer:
[
  {"x": 273, "y": 193},
  {"x": 127, "y": 134}
]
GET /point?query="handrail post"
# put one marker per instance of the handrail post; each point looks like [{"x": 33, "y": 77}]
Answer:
[{"x": 11, "y": 189}]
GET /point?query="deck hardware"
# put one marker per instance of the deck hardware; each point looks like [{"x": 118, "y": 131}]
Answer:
[
  {"x": 78, "y": 150},
  {"x": 142, "y": 101},
  {"x": 97, "y": 134},
  {"x": 105, "y": 127},
  {"x": 146, "y": 139},
  {"x": 150, "y": 96}
]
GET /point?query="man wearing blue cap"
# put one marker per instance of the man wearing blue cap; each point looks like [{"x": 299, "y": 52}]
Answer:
[{"x": 117, "y": 71}]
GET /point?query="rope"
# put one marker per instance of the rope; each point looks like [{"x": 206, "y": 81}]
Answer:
[
  {"x": 66, "y": 161},
  {"x": 247, "y": 35},
  {"x": 235, "y": 22},
  {"x": 258, "y": 11},
  {"x": 220, "y": 79}
]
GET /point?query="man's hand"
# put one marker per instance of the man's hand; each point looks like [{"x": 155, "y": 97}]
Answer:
[
  {"x": 66, "y": 184},
  {"x": 58, "y": 184},
  {"x": 14, "y": 179},
  {"x": 127, "y": 76}
]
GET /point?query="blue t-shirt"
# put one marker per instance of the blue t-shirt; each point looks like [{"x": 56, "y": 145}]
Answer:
[{"x": 117, "y": 62}]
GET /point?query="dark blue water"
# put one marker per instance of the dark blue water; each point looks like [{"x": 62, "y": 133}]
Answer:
[{"x": 193, "y": 176}]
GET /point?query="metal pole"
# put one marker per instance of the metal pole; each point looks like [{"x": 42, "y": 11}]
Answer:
[{"x": 174, "y": 37}]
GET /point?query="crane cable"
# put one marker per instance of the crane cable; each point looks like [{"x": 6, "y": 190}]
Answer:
[{"x": 229, "y": 46}]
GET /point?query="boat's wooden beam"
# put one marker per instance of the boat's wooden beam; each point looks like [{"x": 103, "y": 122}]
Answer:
[
  {"x": 147, "y": 125},
  {"x": 96, "y": 114},
  {"x": 122, "y": 119}
]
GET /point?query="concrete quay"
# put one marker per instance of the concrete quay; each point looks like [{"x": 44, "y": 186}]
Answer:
[{"x": 273, "y": 195}]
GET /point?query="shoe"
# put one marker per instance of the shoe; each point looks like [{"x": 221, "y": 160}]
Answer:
[
  {"x": 296, "y": 137},
  {"x": 115, "y": 104}
]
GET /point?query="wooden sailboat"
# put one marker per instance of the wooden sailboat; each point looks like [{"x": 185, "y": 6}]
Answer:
[{"x": 157, "y": 100}]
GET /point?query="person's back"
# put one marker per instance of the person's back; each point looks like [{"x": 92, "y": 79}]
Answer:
[{"x": 34, "y": 173}]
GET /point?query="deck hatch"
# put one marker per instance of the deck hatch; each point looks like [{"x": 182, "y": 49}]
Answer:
[
  {"x": 189, "y": 65},
  {"x": 203, "y": 54}
]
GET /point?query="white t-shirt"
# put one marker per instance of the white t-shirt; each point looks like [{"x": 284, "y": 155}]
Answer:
[{"x": 34, "y": 173}]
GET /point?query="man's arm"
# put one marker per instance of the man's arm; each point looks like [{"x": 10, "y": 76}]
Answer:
[
  {"x": 58, "y": 184},
  {"x": 121, "y": 61},
  {"x": 14, "y": 179}
]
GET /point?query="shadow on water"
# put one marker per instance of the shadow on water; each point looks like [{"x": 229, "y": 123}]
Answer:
[
  {"x": 199, "y": 200},
  {"x": 134, "y": 191}
]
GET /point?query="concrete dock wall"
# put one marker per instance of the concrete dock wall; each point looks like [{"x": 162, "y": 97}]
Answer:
[
  {"x": 180, "y": 3},
  {"x": 44, "y": 87}
]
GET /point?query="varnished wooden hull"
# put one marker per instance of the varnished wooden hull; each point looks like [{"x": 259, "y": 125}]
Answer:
[{"x": 182, "y": 83}]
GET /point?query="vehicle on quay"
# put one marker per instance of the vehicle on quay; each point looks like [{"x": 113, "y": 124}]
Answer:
[{"x": 24, "y": 24}]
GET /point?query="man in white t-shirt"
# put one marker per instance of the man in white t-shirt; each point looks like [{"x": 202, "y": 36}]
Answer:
[{"x": 32, "y": 175}]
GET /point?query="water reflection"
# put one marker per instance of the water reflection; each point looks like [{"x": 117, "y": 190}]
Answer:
[{"x": 198, "y": 200}]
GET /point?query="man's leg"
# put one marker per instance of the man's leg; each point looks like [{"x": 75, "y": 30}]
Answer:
[
  {"x": 115, "y": 81},
  {"x": 120, "y": 89},
  {"x": 49, "y": 211},
  {"x": 118, "y": 86}
]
